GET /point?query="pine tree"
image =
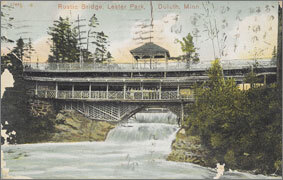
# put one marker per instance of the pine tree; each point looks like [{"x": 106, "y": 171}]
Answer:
[
  {"x": 109, "y": 57},
  {"x": 274, "y": 53},
  {"x": 91, "y": 35},
  {"x": 29, "y": 50},
  {"x": 65, "y": 45},
  {"x": 189, "y": 49},
  {"x": 101, "y": 49},
  {"x": 216, "y": 78},
  {"x": 19, "y": 50}
]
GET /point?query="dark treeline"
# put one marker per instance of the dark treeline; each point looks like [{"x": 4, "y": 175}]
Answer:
[{"x": 240, "y": 128}]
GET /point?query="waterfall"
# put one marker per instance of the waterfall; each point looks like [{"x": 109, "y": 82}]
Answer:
[
  {"x": 168, "y": 118},
  {"x": 133, "y": 132}
]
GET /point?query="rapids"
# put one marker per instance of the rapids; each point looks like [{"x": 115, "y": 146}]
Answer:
[{"x": 131, "y": 150}]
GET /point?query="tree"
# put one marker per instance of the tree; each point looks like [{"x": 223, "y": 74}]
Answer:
[
  {"x": 279, "y": 47},
  {"x": 101, "y": 47},
  {"x": 207, "y": 22},
  {"x": 240, "y": 128},
  {"x": 29, "y": 50},
  {"x": 109, "y": 57},
  {"x": 274, "y": 56},
  {"x": 95, "y": 40},
  {"x": 93, "y": 23},
  {"x": 189, "y": 49},
  {"x": 65, "y": 45},
  {"x": 251, "y": 78},
  {"x": 274, "y": 53},
  {"x": 19, "y": 50},
  {"x": 98, "y": 55}
]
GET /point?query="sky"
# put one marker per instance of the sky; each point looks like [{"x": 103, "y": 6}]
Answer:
[{"x": 246, "y": 29}]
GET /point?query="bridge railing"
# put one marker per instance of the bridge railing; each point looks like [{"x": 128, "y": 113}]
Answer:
[
  {"x": 112, "y": 95},
  {"x": 99, "y": 67}
]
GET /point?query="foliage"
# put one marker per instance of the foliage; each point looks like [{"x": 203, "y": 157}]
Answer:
[
  {"x": 274, "y": 53},
  {"x": 243, "y": 128},
  {"x": 29, "y": 50},
  {"x": 97, "y": 40},
  {"x": 65, "y": 45},
  {"x": 252, "y": 79},
  {"x": 101, "y": 43},
  {"x": 188, "y": 47},
  {"x": 15, "y": 107},
  {"x": 19, "y": 49},
  {"x": 68, "y": 45}
]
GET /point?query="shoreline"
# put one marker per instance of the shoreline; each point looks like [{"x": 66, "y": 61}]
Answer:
[{"x": 196, "y": 154}]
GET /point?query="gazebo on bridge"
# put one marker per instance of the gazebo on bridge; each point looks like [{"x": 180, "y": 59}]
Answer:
[{"x": 150, "y": 52}]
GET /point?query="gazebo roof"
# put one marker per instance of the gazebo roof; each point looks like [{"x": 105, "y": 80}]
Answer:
[{"x": 149, "y": 49}]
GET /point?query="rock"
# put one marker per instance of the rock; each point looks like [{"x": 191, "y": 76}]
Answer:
[
  {"x": 71, "y": 126},
  {"x": 182, "y": 132},
  {"x": 188, "y": 149}
]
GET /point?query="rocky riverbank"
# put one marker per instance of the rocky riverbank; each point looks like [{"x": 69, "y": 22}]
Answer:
[
  {"x": 71, "y": 126},
  {"x": 39, "y": 121},
  {"x": 188, "y": 148}
]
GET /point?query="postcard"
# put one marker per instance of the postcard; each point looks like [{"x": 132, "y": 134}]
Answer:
[{"x": 141, "y": 89}]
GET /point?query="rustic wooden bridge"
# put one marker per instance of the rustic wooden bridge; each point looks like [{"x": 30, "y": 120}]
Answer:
[{"x": 115, "y": 92}]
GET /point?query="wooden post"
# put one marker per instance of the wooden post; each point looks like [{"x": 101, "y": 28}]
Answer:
[
  {"x": 36, "y": 88},
  {"x": 160, "y": 90},
  {"x": 150, "y": 61},
  {"x": 119, "y": 112},
  {"x": 124, "y": 90},
  {"x": 56, "y": 92},
  {"x": 89, "y": 91},
  {"x": 73, "y": 89},
  {"x": 166, "y": 59},
  {"x": 178, "y": 91},
  {"x": 182, "y": 114},
  {"x": 264, "y": 79},
  {"x": 142, "y": 89},
  {"x": 107, "y": 88}
]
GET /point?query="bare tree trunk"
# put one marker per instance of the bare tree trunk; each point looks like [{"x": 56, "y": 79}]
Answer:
[
  {"x": 279, "y": 48},
  {"x": 212, "y": 40}
]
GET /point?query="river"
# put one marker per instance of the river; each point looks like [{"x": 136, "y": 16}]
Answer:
[{"x": 132, "y": 150}]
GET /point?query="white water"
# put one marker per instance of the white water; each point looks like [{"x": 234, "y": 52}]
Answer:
[
  {"x": 132, "y": 150},
  {"x": 168, "y": 118}
]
